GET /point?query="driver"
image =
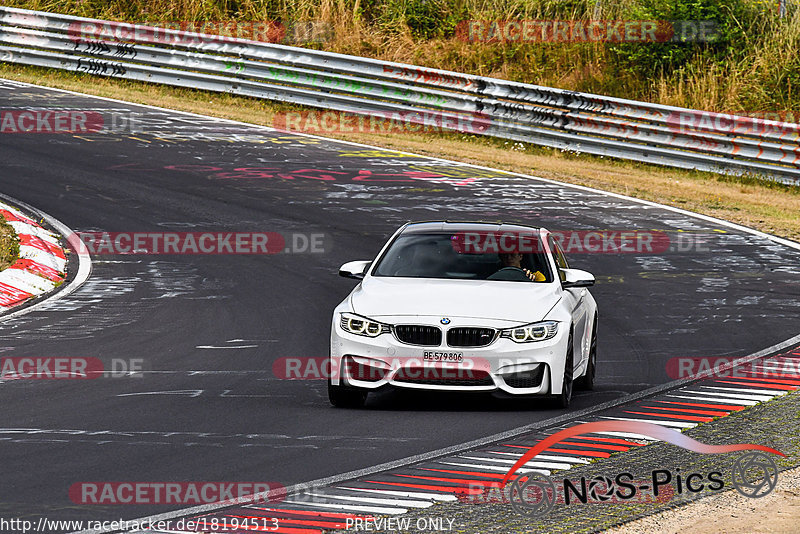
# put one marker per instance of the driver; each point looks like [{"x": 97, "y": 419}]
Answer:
[{"x": 514, "y": 259}]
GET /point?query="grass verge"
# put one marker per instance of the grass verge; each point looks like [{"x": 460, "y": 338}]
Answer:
[
  {"x": 762, "y": 204},
  {"x": 9, "y": 244}
]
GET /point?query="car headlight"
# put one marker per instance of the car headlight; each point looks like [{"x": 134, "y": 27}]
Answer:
[
  {"x": 361, "y": 326},
  {"x": 532, "y": 332}
]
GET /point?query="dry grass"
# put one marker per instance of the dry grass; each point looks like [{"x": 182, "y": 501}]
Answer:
[
  {"x": 763, "y": 205},
  {"x": 9, "y": 244},
  {"x": 760, "y": 71}
]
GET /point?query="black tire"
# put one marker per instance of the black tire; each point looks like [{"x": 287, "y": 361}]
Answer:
[
  {"x": 563, "y": 399},
  {"x": 586, "y": 382},
  {"x": 346, "y": 397}
]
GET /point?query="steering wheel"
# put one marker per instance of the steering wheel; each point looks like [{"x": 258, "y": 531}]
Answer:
[{"x": 510, "y": 274}]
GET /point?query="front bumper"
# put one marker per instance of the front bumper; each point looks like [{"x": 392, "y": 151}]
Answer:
[{"x": 503, "y": 365}]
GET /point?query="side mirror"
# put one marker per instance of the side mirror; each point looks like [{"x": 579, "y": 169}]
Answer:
[
  {"x": 354, "y": 269},
  {"x": 576, "y": 278}
]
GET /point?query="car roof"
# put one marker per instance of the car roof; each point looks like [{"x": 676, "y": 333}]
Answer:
[{"x": 456, "y": 226}]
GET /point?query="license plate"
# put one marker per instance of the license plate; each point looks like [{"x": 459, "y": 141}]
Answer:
[{"x": 437, "y": 356}]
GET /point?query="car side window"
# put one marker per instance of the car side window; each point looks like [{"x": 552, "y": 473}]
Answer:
[{"x": 558, "y": 256}]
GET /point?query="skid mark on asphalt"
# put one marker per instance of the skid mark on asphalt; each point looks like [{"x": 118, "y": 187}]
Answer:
[
  {"x": 189, "y": 439},
  {"x": 192, "y": 393},
  {"x": 227, "y": 347},
  {"x": 100, "y": 303},
  {"x": 239, "y": 344}
]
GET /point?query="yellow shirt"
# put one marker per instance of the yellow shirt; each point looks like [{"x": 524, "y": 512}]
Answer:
[{"x": 536, "y": 277}]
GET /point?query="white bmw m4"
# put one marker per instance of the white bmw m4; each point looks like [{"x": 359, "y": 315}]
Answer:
[{"x": 465, "y": 307}]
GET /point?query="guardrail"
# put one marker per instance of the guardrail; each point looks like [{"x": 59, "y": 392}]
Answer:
[{"x": 568, "y": 120}]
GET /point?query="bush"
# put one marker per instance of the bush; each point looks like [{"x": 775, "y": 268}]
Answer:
[{"x": 647, "y": 60}]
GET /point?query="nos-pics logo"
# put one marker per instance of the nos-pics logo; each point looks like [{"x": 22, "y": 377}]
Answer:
[{"x": 754, "y": 474}]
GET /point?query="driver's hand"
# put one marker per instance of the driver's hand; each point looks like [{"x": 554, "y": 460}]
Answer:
[{"x": 536, "y": 277}]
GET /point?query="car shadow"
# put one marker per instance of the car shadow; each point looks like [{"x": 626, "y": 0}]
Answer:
[{"x": 395, "y": 399}]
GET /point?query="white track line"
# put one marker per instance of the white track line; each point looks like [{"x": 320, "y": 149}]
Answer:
[
  {"x": 497, "y": 468},
  {"x": 504, "y": 461},
  {"x": 767, "y": 392},
  {"x": 353, "y": 508},
  {"x": 759, "y": 398},
  {"x": 444, "y": 497},
  {"x": 570, "y": 459},
  {"x": 717, "y": 400},
  {"x": 370, "y": 500},
  {"x": 676, "y": 424}
]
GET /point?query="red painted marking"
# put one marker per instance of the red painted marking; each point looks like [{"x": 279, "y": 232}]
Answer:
[
  {"x": 728, "y": 407},
  {"x": 11, "y": 295},
  {"x": 580, "y": 453},
  {"x": 338, "y": 515},
  {"x": 41, "y": 244},
  {"x": 303, "y": 522},
  {"x": 10, "y": 216},
  {"x": 443, "y": 489},
  {"x": 760, "y": 384},
  {"x": 611, "y": 440},
  {"x": 789, "y": 364},
  {"x": 692, "y": 410},
  {"x": 469, "y": 473},
  {"x": 674, "y": 416},
  {"x": 770, "y": 380},
  {"x": 766, "y": 373},
  {"x": 782, "y": 359},
  {"x": 597, "y": 446},
  {"x": 25, "y": 264},
  {"x": 285, "y": 530},
  {"x": 465, "y": 481},
  {"x": 569, "y": 451},
  {"x": 225, "y": 526}
]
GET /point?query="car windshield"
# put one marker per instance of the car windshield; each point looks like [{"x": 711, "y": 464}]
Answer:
[{"x": 473, "y": 256}]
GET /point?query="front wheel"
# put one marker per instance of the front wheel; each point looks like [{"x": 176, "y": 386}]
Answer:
[
  {"x": 346, "y": 396},
  {"x": 586, "y": 382},
  {"x": 563, "y": 399}
]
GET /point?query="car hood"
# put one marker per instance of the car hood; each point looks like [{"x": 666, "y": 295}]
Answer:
[{"x": 517, "y": 302}]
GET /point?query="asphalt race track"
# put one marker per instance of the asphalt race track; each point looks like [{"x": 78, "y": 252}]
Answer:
[{"x": 207, "y": 329}]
